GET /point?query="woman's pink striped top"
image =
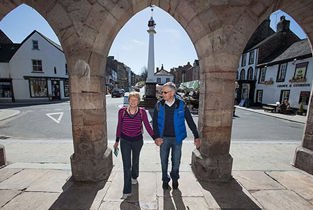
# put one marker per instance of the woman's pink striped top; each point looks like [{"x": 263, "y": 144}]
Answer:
[{"x": 129, "y": 127}]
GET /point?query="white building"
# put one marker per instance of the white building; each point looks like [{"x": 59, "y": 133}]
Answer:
[
  {"x": 262, "y": 50},
  {"x": 35, "y": 69},
  {"x": 162, "y": 76},
  {"x": 289, "y": 76}
]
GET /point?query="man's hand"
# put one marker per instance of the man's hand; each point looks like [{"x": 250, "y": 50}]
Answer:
[
  {"x": 197, "y": 143},
  {"x": 158, "y": 141}
]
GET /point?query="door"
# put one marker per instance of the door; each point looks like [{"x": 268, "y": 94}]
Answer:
[{"x": 56, "y": 94}]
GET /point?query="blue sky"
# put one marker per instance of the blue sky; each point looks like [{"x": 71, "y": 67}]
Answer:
[{"x": 173, "y": 46}]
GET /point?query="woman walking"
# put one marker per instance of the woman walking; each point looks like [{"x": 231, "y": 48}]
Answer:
[{"x": 129, "y": 133}]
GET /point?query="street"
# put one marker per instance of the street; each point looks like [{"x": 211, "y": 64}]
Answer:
[{"x": 53, "y": 121}]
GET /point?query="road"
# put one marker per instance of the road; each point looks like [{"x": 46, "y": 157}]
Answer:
[{"x": 53, "y": 121}]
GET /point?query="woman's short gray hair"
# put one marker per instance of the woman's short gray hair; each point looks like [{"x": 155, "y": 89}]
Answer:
[{"x": 171, "y": 85}]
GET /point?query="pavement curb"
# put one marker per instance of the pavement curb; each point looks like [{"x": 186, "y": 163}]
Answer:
[{"x": 302, "y": 119}]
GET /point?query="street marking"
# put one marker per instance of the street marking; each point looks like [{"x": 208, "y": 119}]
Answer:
[{"x": 57, "y": 120}]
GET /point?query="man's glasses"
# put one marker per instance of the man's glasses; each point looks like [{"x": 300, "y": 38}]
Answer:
[{"x": 165, "y": 92}]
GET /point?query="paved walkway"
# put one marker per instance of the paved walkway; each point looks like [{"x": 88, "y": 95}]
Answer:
[{"x": 38, "y": 176}]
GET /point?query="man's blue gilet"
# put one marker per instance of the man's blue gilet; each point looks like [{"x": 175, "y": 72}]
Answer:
[{"x": 179, "y": 120}]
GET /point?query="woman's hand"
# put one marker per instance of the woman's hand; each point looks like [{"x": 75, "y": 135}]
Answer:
[
  {"x": 158, "y": 141},
  {"x": 115, "y": 145}
]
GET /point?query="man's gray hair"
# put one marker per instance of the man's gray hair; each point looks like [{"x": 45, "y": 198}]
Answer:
[{"x": 170, "y": 85}]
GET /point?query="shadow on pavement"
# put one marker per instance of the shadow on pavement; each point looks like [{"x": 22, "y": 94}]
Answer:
[
  {"x": 229, "y": 195},
  {"x": 174, "y": 202},
  {"x": 77, "y": 195},
  {"x": 132, "y": 202}
]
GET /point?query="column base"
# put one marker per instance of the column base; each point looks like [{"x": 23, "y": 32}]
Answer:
[
  {"x": 303, "y": 159},
  {"x": 211, "y": 168},
  {"x": 2, "y": 156},
  {"x": 85, "y": 168}
]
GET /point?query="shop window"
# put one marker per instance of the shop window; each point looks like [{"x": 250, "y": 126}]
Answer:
[
  {"x": 37, "y": 65},
  {"x": 5, "y": 90},
  {"x": 259, "y": 96},
  {"x": 167, "y": 79},
  {"x": 38, "y": 87},
  {"x": 35, "y": 45},
  {"x": 304, "y": 97},
  {"x": 262, "y": 75},
  {"x": 281, "y": 74}
]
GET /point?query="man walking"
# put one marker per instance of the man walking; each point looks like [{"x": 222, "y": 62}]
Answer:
[{"x": 170, "y": 130}]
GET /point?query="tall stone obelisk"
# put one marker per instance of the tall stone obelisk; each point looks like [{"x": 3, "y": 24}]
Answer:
[
  {"x": 150, "y": 91},
  {"x": 151, "y": 31}
]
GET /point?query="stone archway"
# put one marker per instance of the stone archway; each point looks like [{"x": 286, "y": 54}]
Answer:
[{"x": 219, "y": 32}]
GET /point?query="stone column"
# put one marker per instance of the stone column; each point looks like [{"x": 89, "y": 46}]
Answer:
[
  {"x": 92, "y": 159},
  {"x": 213, "y": 162},
  {"x": 303, "y": 158},
  {"x": 218, "y": 62}
]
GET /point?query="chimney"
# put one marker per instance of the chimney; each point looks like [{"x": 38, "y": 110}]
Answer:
[{"x": 283, "y": 24}]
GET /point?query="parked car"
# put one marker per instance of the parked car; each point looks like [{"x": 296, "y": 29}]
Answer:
[{"x": 116, "y": 92}]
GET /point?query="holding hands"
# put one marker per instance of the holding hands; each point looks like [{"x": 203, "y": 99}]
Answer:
[{"x": 158, "y": 141}]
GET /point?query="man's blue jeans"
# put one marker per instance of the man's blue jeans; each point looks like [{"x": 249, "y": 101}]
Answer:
[
  {"x": 168, "y": 144},
  {"x": 130, "y": 154}
]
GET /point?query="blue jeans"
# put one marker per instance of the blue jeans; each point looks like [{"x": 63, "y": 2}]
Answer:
[
  {"x": 168, "y": 144},
  {"x": 130, "y": 151}
]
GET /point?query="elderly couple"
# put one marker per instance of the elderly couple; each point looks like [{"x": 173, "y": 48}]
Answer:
[{"x": 168, "y": 132}]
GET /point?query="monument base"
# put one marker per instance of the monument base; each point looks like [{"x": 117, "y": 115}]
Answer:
[
  {"x": 211, "y": 168},
  {"x": 150, "y": 99},
  {"x": 92, "y": 169},
  {"x": 304, "y": 159}
]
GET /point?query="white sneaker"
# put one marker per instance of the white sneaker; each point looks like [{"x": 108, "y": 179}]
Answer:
[
  {"x": 124, "y": 196},
  {"x": 134, "y": 181}
]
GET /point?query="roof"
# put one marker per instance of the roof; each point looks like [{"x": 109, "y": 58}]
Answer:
[
  {"x": 300, "y": 49},
  {"x": 163, "y": 72},
  {"x": 46, "y": 38},
  {"x": 7, "y": 51},
  {"x": 4, "y": 39},
  {"x": 262, "y": 32},
  {"x": 297, "y": 49}
]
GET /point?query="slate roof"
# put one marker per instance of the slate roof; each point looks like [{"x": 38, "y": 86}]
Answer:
[
  {"x": 7, "y": 51},
  {"x": 297, "y": 50},
  {"x": 8, "y": 48},
  {"x": 4, "y": 39}
]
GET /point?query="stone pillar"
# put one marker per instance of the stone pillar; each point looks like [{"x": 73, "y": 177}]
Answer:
[
  {"x": 213, "y": 162},
  {"x": 2, "y": 156},
  {"x": 92, "y": 159},
  {"x": 218, "y": 62},
  {"x": 303, "y": 158}
]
